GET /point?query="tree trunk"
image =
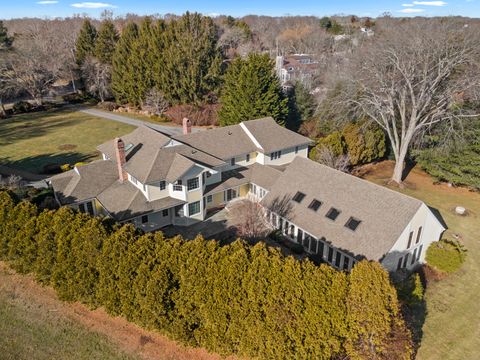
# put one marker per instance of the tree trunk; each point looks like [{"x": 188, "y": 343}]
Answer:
[{"x": 397, "y": 172}]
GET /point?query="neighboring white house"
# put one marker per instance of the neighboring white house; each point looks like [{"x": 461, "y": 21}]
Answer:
[{"x": 153, "y": 180}]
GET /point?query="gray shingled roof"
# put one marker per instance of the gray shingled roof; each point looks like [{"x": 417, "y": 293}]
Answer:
[
  {"x": 90, "y": 181},
  {"x": 273, "y": 137},
  {"x": 167, "y": 163},
  {"x": 261, "y": 175},
  {"x": 224, "y": 142},
  {"x": 142, "y": 138},
  {"x": 384, "y": 213},
  {"x": 124, "y": 201}
]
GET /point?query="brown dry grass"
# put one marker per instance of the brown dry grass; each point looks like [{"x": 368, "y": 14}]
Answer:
[{"x": 22, "y": 292}]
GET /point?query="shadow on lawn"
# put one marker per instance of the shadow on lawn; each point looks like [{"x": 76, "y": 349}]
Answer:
[
  {"x": 37, "y": 164},
  {"x": 27, "y": 126}
]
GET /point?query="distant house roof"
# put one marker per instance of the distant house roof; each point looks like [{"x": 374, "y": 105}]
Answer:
[{"x": 383, "y": 213}]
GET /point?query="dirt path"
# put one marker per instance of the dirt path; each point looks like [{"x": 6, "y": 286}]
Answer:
[{"x": 129, "y": 337}]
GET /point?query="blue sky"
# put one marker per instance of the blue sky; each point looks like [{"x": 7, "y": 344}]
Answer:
[{"x": 62, "y": 8}]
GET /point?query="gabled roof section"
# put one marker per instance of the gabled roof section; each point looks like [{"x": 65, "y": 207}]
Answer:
[
  {"x": 179, "y": 166},
  {"x": 224, "y": 142},
  {"x": 271, "y": 136},
  {"x": 141, "y": 138},
  {"x": 124, "y": 201},
  {"x": 87, "y": 183},
  {"x": 384, "y": 213}
]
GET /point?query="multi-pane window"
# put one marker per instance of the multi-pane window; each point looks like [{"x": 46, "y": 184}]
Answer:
[
  {"x": 163, "y": 185},
  {"x": 298, "y": 197},
  {"x": 248, "y": 157},
  {"x": 276, "y": 155},
  {"x": 399, "y": 265},
  {"x": 338, "y": 257},
  {"x": 194, "y": 208},
  {"x": 299, "y": 236},
  {"x": 414, "y": 257},
  {"x": 165, "y": 212},
  {"x": 313, "y": 245},
  {"x": 333, "y": 213},
  {"x": 209, "y": 198},
  {"x": 330, "y": 254},
  {"x": 144, "y": 219},
  {"x": 193, "y": 184},
  {"x": 405, "y": 261},
  {"x": 419, "y": 252},
  {"x": 296, "y": 149},
  {"x": 314, "y": 205},
  {"x": 86, "y": 208},
  {"x": 232, "y": 161},
  {"x": 320, "y": 248},
  {"x": 352, "y": 223},
  {"x": 346, "y": 263}
]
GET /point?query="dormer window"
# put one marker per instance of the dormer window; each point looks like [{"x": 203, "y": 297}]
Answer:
[
  {"x": 163, "y": 185},
  {"x": 299, "y": 196},
  {"x": 276, "y": 155},
  {"x": 232, "y": 162},
  {"x": 333, "y": 213},
  {"x": 352, "y": 223},
  {"x": 248, "y": 157},
  {"x": 314, "y": 205}
]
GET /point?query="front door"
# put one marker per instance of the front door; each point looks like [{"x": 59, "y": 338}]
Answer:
[{"x": 230, "y": 194}]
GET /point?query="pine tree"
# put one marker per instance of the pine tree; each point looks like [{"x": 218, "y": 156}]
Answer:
[
  {"x": 107, "y": 38},
  {"x": 191, "y": 63},
  {"x": 5, "y": 40},
  {"x": 123, "y": 81},
  {"x": 252, "y": 91},
  {"x": 85, "y": 44}
]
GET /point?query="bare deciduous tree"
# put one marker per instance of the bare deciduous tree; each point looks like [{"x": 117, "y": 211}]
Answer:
[
  {"x": 155, "y": 102},
  {"x": 325, "y": 155},
  {"x": 248, "y": 217},
  {"x": 409, "y": 79},
  {"x": 97, "y": 78}
]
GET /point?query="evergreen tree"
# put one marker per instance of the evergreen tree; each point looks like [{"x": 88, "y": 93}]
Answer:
[
  {"x": 85, "y": 44},
  {"x": 301, "y": 106},
  {"x": 7, "y": 206},
  {"x": 373, "y": 315},
  {"x": 107, "y": 38},
  {"x": 191, "y": 64},
  {"x": 251, "y": 91},
  {"x": 123, "y": 75}
]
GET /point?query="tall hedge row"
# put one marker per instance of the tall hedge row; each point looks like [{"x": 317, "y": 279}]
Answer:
[{"x": 240, "y": 299}]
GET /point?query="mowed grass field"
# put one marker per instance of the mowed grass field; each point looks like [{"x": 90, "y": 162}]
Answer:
[
  {"x": 452, "y": 326},
  {"x": 31, "y": 141},
  {"x": 38, "y": 330}
]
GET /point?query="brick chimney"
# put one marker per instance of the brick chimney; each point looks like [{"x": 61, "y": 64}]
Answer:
[
  {"x": 121, "y": 159},
  {"x": 187, "y": 126}
]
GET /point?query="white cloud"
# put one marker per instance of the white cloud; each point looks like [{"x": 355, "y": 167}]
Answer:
[
  {"x": 408, "y": 5},
  {"x": 92, "y": 5},
  {"x": 411, "y": 11},
  {"x": 431, "y": 3},
  {"x": 47, "y": 2}
]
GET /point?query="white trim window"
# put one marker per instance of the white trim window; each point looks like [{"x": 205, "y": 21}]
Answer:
[
  {"x": 193, "y": 184},
  {"x": 194, "y": 208}
]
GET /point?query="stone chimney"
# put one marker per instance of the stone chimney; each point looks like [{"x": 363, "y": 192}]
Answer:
[
  {"x": 187, "y": 126},
  {"x": 121, "y": 159}
]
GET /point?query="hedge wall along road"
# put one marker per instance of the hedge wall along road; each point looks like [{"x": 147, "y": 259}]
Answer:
[{"x": 238, "y": 299}]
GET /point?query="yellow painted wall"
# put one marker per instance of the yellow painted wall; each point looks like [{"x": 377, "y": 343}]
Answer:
[{"x": 243, "y": 191}]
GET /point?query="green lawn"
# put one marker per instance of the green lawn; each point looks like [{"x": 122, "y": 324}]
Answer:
[
  {"x": 31, "y": 141},
  {"x": 29, "y": 332},
  {"x": 452, "y": 326}
]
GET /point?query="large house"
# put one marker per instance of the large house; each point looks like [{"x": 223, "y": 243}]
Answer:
[{"x": 153, "y": 180}]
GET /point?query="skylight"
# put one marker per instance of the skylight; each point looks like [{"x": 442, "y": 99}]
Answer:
[
  {"x": 352, "y": 223},
  {"x": 299, "y": 196},
  {"x": 333, "y": 213},
  {"x": 315, "y": 205},
  {"x": 129, "y": 146}
]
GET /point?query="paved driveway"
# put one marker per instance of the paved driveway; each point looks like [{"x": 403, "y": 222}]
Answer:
[{"x": 170, "y": 130}]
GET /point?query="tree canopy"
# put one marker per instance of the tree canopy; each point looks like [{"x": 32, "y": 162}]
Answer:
[
  {"x": 252, "y": 90},
  {"x": 85, "y": 44}
]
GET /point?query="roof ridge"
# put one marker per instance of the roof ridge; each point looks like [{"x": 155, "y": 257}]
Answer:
[{"x": 372, "y": 184}]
